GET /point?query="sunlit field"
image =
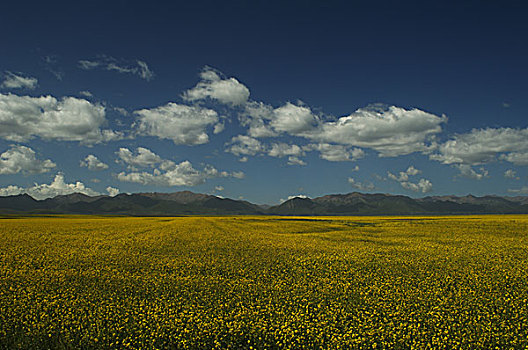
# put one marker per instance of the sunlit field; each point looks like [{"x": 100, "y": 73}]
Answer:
[{"x": 264, "y": 282}]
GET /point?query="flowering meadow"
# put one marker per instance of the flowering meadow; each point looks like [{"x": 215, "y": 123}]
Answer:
[{"x": 71, "y": 282}]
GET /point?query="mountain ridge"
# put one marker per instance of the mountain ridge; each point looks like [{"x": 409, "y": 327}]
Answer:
[{"x": 190, "y": 203}]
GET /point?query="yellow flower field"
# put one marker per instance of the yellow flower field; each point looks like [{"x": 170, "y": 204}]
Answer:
[{"x": 264, "y": 282}]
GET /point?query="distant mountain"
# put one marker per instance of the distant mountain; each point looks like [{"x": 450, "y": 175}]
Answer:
[
  {"x": 190, "y": 203},
  {"x": 22, "y": 202},
  {"x": 386, "y": 204}
]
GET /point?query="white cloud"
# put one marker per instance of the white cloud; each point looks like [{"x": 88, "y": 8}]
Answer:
[
  {"x": 57, "y": 187},
  {"x": 218, "y": 128},
  {"x": 517, "y": 158},
  {"x": 112, "y": 191},
  {"x": 93, "y": 163},
  {"x": 302, "y": 196},
  {"x": 292, "y": 160},
  {"x": 18, "y": 81},
  {"x": 362, "y": 186},
  {"x": 283, "y": 149},
  {"x": 295, "y": 120},
  {"x": 165, "y": 172},
  {"x": 265, "y": 121},
  {"x": 69, "y": 119},
  {"x": 523, "y": 190},
  {"x": 51, "y": 65},
  {"x": 22, "y": 159},
  {"x": 336, "y": 153},
  {"x": 238, "y": 174},
  {"x": 393, "y": 131},
  {"x": 172, "y": 174},
  {"x": 245, "y": 145},
  {"x": 404, "y": 175},
  {"x": 256, "y": 117},
  {"x": 423, "y": 185},
  {"x": 467, "y": 171},
  {"x": 481, "y": 146},
  {"x": 144, "y": 71},
  {"x": 214, "y": 86},
  {"x": 184, "y": 125},
  {"x": 143, "y": 157},
  {"x": 85, "y": 93},
  {"x": 121, "y": 111},
  {"x": 136, "y": 67},
  {"x": 11, "y": 190},
  {"x": 511, "y": 174}
]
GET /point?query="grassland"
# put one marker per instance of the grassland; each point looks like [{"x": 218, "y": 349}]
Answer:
[{"x": 264, "y": 282}]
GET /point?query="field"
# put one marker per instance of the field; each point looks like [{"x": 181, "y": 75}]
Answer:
[{"x": 264, "y": 282}]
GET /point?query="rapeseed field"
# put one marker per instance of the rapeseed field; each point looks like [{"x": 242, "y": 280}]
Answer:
[{"x": 264, "y": 283}]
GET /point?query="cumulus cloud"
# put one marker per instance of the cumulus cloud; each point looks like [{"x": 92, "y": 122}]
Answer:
[
  {"x": 467, "y": 171},
  {"x": 112, "y": 191},
  {"x": 292, "y": 160},
  {"x": 165, "y": 172},
  {"x": 216, "y": 87},
  {"x": 171, "y": 174},
  {"x": 295, "y": 120},
  {"x": 143, "y": 157},
  {"x": 184, "y": 125},
  {"x": 511, "y": 174},
  {"x": 481, "y": 146},
  {"x": 245, "y": 145},
  {"x": 93, "y": 163},
  {"x": 22, "y": 159},
  {"x": 256, "y": 117},
  {"x": 362, "y": 186},
  {"x": 69, "y": 119},
  {"x": 391, "y": 131},
  {"x": 263, "y": 120},
  {"x": 57, "y": 187},
  {"x": 18, "y": 81},
  {"x": 218, "y": 128},
  {"x": 523, "y": 190},
  {"x": 423, "y": 185},
  {"x": 135, "y": 67},
  {"x": 404, "y": 175},
  {"x": 517, "y": 158},
  {"x": 335, "y": 153},
  {"x": 121, "y": 111},
  {"x": 238, "y": 174},
  {"x": 283, "y": 149}
]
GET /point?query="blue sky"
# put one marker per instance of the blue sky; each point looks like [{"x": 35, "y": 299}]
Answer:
[{"x": 263, "y": 100}]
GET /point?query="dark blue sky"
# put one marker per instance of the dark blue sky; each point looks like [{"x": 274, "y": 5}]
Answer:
[{"x": 465, "y": 60}]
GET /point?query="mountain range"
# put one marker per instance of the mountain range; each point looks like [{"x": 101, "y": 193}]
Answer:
[{"x": 189, "y": 203}]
